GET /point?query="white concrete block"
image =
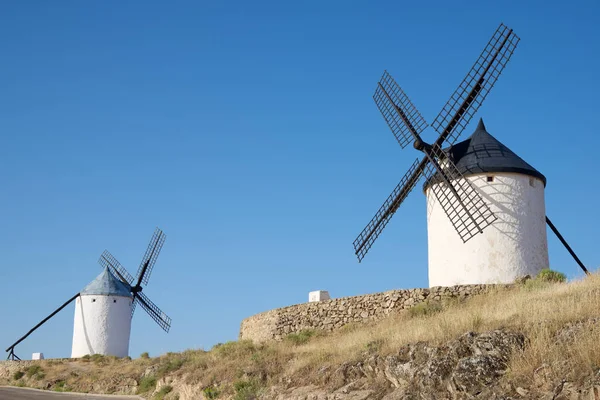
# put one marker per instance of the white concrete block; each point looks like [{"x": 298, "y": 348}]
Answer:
[
  {"x": 318, "y": 295},
  {"x": 37, "y": 356}
]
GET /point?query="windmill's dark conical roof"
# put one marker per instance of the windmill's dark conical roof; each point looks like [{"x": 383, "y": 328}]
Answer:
[
  {"x": 108, "y": 285},
  {"x": 483, "y": 153}
]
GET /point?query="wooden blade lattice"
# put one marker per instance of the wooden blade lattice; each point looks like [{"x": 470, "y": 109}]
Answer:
[
  {"x": 371, "y": 232},
  {"x": 466, "y": 209},
  {"x": 399, "y": 112},
  {"x": 156, "y": 243},
  {"x": 107, "y": 260},
  {"x": 472, "y": 91},
  {"x": 162, "y": 319}
]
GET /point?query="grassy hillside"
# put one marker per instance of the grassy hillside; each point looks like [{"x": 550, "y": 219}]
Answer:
[{"x": 561, "y": 351}]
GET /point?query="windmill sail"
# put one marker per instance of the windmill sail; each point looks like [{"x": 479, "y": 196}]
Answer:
[
  {"x": 149, "y": 259},
  {"x": 371, "y": 232},
  {"x": 472, "y": 91},
  {"x": 399, "y": 112},
  {"x": 465, "y": 208},
  {"x": 108, "y": 260},
  {"x": 162, "y": 319}
]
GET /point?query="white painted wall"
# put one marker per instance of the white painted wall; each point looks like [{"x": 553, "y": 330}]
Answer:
[
  {"x": 102, "y": 325},
  {"x": 514, "y": 245}
]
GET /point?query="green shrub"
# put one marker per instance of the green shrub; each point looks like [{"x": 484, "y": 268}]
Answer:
[
  {"x": 425, "y": 309},
  {"x": 59, "y": 386},
  {"x": 34, "y": 370},
  {"x": 18, "y": 375},
  {"x": 170, "y": 365},
  {"x": 240, "y": 348},
  {"x": 301, "y": 337},
  {"x": 374, "y": 346},
  {"x": 548, "y": 275},
  {"x": 145, "y": 355},
  {"x": 210, "y": 393},
  {"x": 544, "y": 279},
  {"x": 164, "y": 390},
  {"x": 97, "y": 358},
  {"x": 147, "y": 384},
  {"x": 246, "y": 390}
]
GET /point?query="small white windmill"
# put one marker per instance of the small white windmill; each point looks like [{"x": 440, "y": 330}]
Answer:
[
  {"x": 486, "y": 210},
  {"x": 105, "y": 307}
]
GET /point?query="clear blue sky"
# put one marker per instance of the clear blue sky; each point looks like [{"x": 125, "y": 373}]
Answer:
[{"x": 247, "y": 132}]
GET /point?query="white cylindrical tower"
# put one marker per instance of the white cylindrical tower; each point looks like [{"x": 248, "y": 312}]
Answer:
[
  {"x": 515, "y": 244},
  {"x": 103, "y": 318}
]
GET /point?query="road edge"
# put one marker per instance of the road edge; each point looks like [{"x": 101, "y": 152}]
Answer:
[{"x": 91, "y": 395}]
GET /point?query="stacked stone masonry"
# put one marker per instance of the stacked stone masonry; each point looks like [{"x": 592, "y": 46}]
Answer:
[{"x": 335, "y": 313}]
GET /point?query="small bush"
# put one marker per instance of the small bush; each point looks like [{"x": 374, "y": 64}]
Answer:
[
  {"x": 145, "y": 355},
  {"x": 34, "y": 370},
  {"x": 86, "y": 358},
  {"x": 476, "y": 322},
  {"x": 246, "y": 390},
  {"x": 301, "y": 337},
  {"x": 164, "y": 390},
  {"x": 350, "y": 327},
  {"x": 97, "y": 358},
  {"x": 170, "y": 365},
  {"x": 544, "y": 279},
  {"x": 18, "y": 375},
  {"x": 59, "y": 386},
  {"x": 211, "y": 393},
  {"x": 425, "y": 309},
  {"x": 548, "y": 275},
  {"x": 240, "y": 348},
  {"x": 147, "y": 384},
  {"x": 374, "y": 346}
]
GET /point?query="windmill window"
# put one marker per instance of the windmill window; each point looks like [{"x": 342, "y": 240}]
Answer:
[
  {"x": 490, "y": 178},
  {"x": 93, "y": 300},
  {"x": 532, "y": 182},
  {"x": 115, "y": 300}
]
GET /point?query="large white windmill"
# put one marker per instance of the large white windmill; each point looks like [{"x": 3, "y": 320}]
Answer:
[
  {"x": 105, "y": 307},
  {"x": 515, "y": 244},
  {"x": 485, "y": 205}
]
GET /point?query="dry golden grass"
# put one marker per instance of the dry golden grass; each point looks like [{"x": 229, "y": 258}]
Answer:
[{"x": 538, "y": 310}]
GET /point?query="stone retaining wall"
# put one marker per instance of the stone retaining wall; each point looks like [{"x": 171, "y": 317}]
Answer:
[{"x": 333, "y": 314}]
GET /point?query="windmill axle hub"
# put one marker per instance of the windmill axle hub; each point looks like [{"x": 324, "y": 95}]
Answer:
[
  {"x": 136, "y": 289},
  {"x": 420, "y": 145}
]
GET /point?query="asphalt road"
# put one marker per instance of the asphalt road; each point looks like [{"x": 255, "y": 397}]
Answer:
[{"x": 10, "y": 393}]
